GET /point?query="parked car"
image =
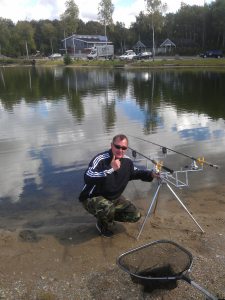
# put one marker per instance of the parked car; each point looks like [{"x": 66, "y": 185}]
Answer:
[
  {"x": 212, "y": 53},
  {"x": 55, "y": 56},
  {"x": 143, "y": 55},
  {"x": 128, "y": 55}
]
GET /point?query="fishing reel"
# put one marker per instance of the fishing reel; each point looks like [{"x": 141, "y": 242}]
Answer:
[
  {"x": 157, "y": 167},
  {"x": 194, "y": 164}
]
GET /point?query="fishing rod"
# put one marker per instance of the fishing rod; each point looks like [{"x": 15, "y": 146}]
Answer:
[
  {"x": 158, "y": 164},
  {"x": 164, "y": 150}
]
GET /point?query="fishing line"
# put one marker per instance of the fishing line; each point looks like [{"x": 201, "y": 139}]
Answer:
[
  {"x": 164, "y": 150},
  {"x": 134, "y": 152}
]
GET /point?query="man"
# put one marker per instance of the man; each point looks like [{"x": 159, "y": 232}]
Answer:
[{"x": 105, "y": 180}]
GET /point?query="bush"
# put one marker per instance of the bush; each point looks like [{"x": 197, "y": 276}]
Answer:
[{"x": 67, "y": 60}]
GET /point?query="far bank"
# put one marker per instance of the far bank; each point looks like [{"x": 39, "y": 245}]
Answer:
[{"x": 157, "y": 62}]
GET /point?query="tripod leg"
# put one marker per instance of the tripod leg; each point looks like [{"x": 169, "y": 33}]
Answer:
[
  {"x": 149, "y": 210},
  {"x": 184, "y": 206}
]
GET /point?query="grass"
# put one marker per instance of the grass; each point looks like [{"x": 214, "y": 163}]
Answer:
[
  {"x": 163, "y": 63},
  {"x": 171, "y": 62},
  {"x": 181, "y": 62}
]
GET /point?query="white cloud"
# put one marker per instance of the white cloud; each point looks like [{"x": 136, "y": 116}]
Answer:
[{"x": 52, "y": 9}]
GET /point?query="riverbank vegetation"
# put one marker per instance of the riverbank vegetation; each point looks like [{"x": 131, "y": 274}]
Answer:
[{"x": 165, "y": 62}]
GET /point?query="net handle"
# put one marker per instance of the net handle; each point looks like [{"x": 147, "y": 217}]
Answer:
[{"x": 200, "y": 288}]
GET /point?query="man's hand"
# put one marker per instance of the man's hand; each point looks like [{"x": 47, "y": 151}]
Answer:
[
  {"x": 115, "y": 163},
  {"x": 156, "y": 175}
]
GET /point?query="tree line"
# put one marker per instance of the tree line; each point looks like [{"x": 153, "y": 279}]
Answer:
[{"x": 192, "y": 28}]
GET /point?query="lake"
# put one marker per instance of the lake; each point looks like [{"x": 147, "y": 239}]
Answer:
[{"x": 54, "y": 120}]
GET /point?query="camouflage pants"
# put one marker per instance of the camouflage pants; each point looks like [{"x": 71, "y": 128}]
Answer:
[{"x": 107, "y": 211}]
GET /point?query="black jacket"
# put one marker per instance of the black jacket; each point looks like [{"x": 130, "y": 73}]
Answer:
[{"x": 101, "y": 180}]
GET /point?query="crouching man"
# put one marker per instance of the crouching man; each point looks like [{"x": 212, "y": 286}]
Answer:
[{"x": 105, "y": 180}]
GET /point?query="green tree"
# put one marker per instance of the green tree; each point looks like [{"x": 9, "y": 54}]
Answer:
[
  {"x": 169, "y": 27},
  {"x": 120, "y": 36},
  {"x": 155, "y": 9},
  {"x": 105, "y": 12},
  {"x": 23, "y": 38},
  {"x": 141, "y": 28},
  {"x": 92, "y": 27},
  {"x": 6, "y": 27},
  {"x": 49, "y": 35},
  {"x": 81, "y": 27},
  {"x": 193, "y": 29},
  {"x": 70, "y": 18},
  {"x": 218, "y": 21},
  {"x": 188, "y": 27}
]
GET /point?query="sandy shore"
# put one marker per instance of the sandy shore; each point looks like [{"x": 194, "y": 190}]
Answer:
[{"x": 58, "y": 254}]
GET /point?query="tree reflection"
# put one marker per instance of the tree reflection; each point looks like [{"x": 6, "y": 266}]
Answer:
[
  {"x": 198, "y": 91},
  {"x": 191, "y": 91}
]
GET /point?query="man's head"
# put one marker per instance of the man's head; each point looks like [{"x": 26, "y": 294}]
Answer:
[{"x": 119, "y": 145}]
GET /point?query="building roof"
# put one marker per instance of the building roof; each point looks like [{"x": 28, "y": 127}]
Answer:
[
  {"x": 88, "y": 38},
  {"x": 167, "y": 43},
  {"x": 139, "y": 45}
]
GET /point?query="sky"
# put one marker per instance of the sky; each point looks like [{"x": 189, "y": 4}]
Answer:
[{"x": 125, "y": 10}]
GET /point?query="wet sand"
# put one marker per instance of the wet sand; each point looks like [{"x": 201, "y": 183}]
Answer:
[{"x": 56, "y": 253}]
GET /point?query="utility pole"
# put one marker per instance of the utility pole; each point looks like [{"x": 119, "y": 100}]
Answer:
[
  {"x": 51, "y": 45},
  {"x": 65, "y": 42},
  {"x": 27, "y": 50},
  {"x": 73, "y": 48},
  {"x": 153, "y": 40},
  {"x": 106, "y": 41}
]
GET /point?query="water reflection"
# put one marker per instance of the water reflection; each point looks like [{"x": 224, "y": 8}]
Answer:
[{"x": 52, "y": 120}]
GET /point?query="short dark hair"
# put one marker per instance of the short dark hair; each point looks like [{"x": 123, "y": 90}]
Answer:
[{"x": 120, "y": 136}]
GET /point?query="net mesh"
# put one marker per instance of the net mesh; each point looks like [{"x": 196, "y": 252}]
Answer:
[{"x": 156, "y": 260}]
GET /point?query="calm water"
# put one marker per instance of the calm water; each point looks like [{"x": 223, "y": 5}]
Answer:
[{"x": 53, "y": 120}]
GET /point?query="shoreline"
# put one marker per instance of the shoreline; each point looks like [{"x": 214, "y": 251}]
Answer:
[
  {"x": 158, "y": 63},
  {"x": 58, "y": 254}
]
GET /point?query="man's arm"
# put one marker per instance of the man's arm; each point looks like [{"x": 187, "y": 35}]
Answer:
[
  {"x": 98, "y": 169},
  {"x": 144, "y": 175}
]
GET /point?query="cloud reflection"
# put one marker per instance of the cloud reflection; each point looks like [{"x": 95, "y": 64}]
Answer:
[{"x": 43, "y": 144}]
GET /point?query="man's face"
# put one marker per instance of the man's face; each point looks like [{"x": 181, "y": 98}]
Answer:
[{"x": 119, "y": 148}]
